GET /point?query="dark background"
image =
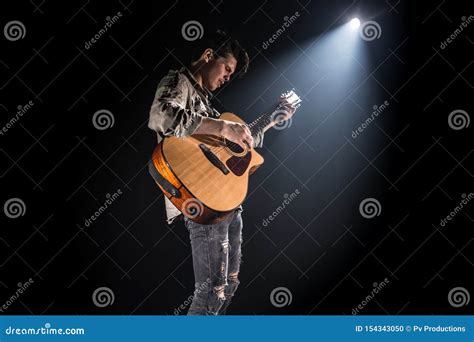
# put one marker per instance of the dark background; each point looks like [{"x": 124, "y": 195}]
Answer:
[{"x": 320, "y": 247}]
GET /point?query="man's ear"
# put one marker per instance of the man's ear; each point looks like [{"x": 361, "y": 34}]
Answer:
[{"x": 207, "y": 55}]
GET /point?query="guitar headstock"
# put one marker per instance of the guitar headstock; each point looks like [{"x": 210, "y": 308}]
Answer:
[{"x": 290, "y": 98}]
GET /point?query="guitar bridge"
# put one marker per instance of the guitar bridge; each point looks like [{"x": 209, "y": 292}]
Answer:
[{"x": 213, "y": 159}]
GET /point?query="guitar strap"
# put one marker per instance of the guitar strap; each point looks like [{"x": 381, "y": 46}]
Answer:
[{"x": 170, "y": 188}]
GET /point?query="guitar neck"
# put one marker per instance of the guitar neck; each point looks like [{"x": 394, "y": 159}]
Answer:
[
  {"x": 264, "y": 120},
  {"x": 260, "y": 123}
]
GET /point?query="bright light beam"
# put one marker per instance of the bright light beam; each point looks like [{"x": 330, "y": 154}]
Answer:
[{"x": 355, "y": 23}]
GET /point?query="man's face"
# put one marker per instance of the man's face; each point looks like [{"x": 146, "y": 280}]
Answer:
[{"x": 218, "y": 71}]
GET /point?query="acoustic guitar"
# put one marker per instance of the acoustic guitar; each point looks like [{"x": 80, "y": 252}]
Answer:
[{"x": 206, "y": 176}]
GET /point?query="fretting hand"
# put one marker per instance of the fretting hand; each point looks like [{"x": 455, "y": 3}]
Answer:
[{"x": 286, "y": 107}]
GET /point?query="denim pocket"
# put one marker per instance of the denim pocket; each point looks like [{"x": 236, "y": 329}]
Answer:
[{"x": 197, "y": 231}]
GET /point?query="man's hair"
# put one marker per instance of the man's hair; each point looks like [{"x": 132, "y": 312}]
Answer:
[{"x": 223, "y": 44}]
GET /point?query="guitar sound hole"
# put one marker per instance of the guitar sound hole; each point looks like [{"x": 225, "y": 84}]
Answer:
[{"x": 234, "y": 147}]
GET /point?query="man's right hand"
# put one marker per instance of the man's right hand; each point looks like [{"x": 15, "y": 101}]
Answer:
[
  {"x": 233, "y": 131},
  {"x": 238, "y": 133}
]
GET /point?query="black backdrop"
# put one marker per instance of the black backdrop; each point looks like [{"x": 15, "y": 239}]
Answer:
[{"x": 319, "y": 248}]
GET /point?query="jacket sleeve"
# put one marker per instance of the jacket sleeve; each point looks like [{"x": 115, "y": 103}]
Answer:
[{"x": 169, "y": 113}]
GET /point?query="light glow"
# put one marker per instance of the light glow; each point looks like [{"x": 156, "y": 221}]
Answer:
[{"x": 355, "y": 23}]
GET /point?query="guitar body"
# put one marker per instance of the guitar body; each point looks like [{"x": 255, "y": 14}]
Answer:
[{"x": 204, "y": 176}]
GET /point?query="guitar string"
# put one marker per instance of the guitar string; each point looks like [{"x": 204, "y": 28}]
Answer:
[
  {"x": 295, "y": 103},
  {"x": 261, "y": 119}
]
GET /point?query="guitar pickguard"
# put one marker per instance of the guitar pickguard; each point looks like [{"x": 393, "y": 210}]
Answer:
[{"x": 238, "y": 165}]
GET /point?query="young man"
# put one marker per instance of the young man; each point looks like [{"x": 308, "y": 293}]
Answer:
[{"x": 181, "y": 107}]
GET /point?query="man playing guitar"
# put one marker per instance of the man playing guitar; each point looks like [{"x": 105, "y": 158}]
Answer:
[{"x": 182, "y": 108}]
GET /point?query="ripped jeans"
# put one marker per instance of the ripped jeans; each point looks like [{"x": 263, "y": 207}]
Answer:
[{"x": 216, "y": 250}]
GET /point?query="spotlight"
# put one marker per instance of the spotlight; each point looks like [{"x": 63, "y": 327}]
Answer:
[{"x": 355, "y": 23}]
